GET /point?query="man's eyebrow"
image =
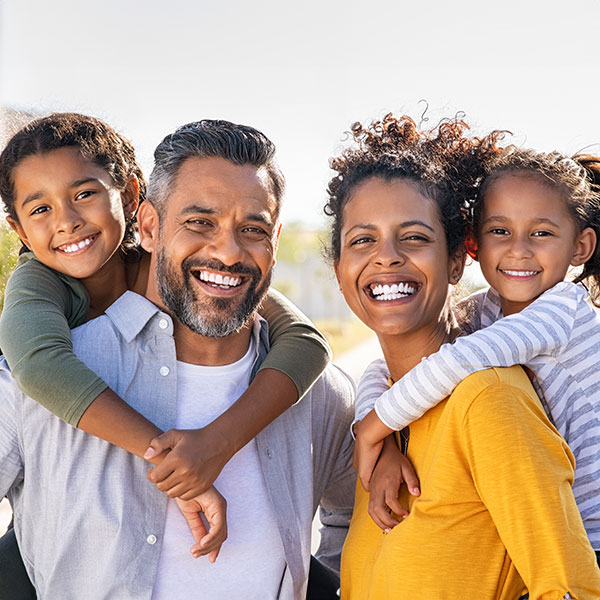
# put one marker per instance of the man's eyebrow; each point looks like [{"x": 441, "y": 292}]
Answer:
[
  {"x": 196, "y": 208},
  {"x": 259, "y": 217}
]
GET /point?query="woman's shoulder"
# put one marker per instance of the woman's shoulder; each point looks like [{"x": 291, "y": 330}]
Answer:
[{"x": 499, "y": 388}]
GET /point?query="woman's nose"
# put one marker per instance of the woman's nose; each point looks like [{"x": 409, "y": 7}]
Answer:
[{"x": 389, "y": 254}]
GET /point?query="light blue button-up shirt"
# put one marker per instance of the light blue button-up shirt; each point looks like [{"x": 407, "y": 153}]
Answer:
[{"x": 88, "y": 522}]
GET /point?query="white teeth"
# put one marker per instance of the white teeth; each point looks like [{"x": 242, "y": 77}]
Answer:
[
  {"x": 78, "y": 246},
  {"x": 224, "y": 282},
  {"x": 392, "y": 292},
  {"x": 519, "y": 273}
]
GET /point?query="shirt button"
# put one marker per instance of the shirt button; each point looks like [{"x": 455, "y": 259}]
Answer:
[
  {"x": 269, "y": 453},
  {"x": 151, "y": 539},
  {"x": 163, "y": 323},
  {"x": 164, "y": 371},
  {"x": 289, "y": 536}
]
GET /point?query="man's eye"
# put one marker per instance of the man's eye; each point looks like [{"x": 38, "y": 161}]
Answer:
[
  {"x": 542, "y": 233},
  {"x": 253, "y": 230},
  {"x": 197, "y": 222}
]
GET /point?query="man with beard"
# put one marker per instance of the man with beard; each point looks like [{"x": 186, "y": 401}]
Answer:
[{"x": 181, "y": 356}]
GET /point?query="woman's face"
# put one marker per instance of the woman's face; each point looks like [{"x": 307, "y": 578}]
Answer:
[{"x": 394, "y": 267}]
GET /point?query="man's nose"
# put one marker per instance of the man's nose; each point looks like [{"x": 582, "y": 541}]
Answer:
[
  {"x": 225, "y": 247},
  {"x": 68, "y": 218}
]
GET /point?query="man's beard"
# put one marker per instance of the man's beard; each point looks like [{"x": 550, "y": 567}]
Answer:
[{"x": 211, "y": 317}]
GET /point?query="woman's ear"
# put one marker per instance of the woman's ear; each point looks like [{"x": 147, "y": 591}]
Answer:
[
  {"x": 148, "y": 225},
  {"x": 456, "y": 265},
  {"x": 585, "y": 245},
  {"x": 336, "y": 265},
  {"x": 131, "y": 197},
  {"x": 16, "y": 226}
]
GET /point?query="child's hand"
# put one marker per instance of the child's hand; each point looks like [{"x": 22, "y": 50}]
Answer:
[
  {"x": 370, "y": 433},
  {"x": 392, "y": 470},
  {"x": 214, "y": 507},
  {"x": 196, "y": 458}
]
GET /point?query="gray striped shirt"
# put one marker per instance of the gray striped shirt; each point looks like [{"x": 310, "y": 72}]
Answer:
[{"x": 557, "y": 337}]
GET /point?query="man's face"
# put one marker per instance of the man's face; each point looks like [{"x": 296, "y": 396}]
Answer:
[{"x": 216, "y": 245}]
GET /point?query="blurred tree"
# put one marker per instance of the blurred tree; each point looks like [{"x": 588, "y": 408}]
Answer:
[{"x": 9, "y": 251}]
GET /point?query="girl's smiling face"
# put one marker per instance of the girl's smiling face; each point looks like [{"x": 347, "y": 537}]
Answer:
[
  {"x": 70, "y": 213},
  {"x": 527, "y": 239},
  {"x": 394, "y": 267}
]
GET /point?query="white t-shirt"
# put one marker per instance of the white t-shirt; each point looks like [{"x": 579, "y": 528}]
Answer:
[{"x": 251, "y": 562}]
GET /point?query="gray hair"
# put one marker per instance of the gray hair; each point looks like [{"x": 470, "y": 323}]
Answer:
[{"x": 240, "y": 144}]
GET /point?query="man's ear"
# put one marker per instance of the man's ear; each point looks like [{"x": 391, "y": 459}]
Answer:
[
  {"x": 16, "y": 226},
  {"x": 148, "y": 225},
  {"x": 276, "y": 243},
  {"x": 585, "y": 245},
  {"x": 130, "y": 197}
]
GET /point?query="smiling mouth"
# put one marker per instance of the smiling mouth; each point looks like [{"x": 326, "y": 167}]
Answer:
[
  {"x": 395, "y": 291},
  {"x": 73, "y": 247},
  {"x": 512, "y": 273},
  {"x": 217, "y": 280}
]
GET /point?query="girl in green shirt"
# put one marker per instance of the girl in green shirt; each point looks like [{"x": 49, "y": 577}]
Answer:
[{"x": 66, "y": 168}]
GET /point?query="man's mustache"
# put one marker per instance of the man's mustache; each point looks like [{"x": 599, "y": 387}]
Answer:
[{"x": 216, "y": 265}]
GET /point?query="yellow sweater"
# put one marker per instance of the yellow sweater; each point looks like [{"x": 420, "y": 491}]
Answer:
[{"x": 496, "y": 515}]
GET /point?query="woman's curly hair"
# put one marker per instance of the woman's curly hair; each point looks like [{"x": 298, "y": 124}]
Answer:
[
  {"x": 443, "y": 162},
  {"x": 96, "y": 140}
]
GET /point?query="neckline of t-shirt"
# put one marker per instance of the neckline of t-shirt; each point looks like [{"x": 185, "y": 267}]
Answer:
[{"x": 239, "y": 366}]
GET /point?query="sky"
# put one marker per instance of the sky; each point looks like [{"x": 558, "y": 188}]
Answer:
[{"x": 303, "y": 72}]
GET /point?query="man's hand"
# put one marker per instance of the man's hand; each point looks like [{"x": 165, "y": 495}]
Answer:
[
  {"x": 196, "y": 458},
  {"x": 393, "y": 470},
  {"x": 214, "y": 507},
  {"x": 370, "y": 433}
]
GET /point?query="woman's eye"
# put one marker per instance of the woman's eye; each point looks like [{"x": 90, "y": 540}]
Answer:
[
  {"x": 361, "y": 240},
  {"x": 414, "y": 237},
  {"x": 542, "y": 233},
  {"x": 83, "y": 195}
]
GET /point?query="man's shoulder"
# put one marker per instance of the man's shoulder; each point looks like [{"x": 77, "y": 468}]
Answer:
[{"x": 332, "y": 398}]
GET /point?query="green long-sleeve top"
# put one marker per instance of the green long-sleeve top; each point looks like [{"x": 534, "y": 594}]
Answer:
[{"x": 41, "y": 306}]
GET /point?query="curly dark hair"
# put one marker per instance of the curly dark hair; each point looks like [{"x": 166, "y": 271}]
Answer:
[
  {"x": 443, "y": 162},
  {"x": 576, "y": 178},
  {"x": 96, "y": 140}
]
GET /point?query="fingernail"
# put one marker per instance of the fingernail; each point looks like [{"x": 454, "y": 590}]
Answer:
[
  {"x": 416, "y": 490},
  {"x": 386, "y": 531},
  {"x": 149, "y": 453}
]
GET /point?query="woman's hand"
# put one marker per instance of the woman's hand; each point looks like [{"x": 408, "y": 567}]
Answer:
[
  {"x": 392, "y": 470},
  {"x": 195, "y": 460},
  {"x": 214, "y": 507},
  {"x": 370, "y": 433}
]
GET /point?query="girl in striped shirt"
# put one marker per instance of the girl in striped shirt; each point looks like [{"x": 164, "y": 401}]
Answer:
[{"x": 535, "y": 215}]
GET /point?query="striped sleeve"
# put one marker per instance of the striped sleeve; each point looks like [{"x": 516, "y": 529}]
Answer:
[
  {"x": 543, "y": 328},
  {"x": 372, "y": 384}
]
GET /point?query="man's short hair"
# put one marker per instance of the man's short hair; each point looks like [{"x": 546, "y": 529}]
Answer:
[{"x": 240, "y": 144}]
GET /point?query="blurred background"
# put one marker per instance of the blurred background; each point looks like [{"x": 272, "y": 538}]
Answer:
[{"x": 302, "y": 73}]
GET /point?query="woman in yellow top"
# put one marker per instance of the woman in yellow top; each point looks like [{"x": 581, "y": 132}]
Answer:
[{"x": 495, "y": 517}]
